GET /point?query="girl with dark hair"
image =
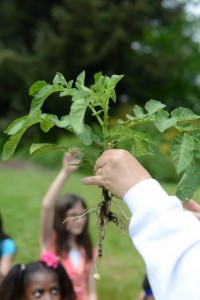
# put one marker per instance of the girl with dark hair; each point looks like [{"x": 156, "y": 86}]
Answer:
[
  {"x": 7, "y": 251},
  {"x": 44, "y": 279},
  {"x": 70, "y": 240}
]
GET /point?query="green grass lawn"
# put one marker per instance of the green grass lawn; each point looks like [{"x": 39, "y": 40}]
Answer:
[{"x": 22, "y": 190}]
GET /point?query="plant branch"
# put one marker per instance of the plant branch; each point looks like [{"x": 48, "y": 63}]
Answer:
[{"x": 96, "y": 115}]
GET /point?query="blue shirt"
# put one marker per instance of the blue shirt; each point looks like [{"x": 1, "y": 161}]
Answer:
[{"x": 7, "y": 247}]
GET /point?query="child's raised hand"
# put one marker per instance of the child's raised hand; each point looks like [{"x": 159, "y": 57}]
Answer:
[{"x": 70, "y": 163}]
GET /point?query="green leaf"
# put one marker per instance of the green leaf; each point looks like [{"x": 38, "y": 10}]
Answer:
[
  {"x": 64, "y": 121},
  {"x": 43, "y": 148},
  {"x": 97, "y": 76},
  {"x": 119, "y": 134},
  {"x": 139, "y": 112},
  {"x": 153, "y": 106},
  {"x": 112, "y": 82},
  {"x": 46, "y": 122},
  {"x": 162, "y": 122},
  {"x": 139, "y": 147},
  {"x": 139, "y": 141},
  {"x": 120, "y": 121},
  {"x": 77, "y": 113},
  {"x": 104, "y": 88},
  {"x": 16, "y": 125},
  {"x": 59, "y": 79},
  {"x": 11, "y": 144},
  {"x": 86, "y": 136},
  {"x": 80, "y": 81},
  {"x": 43, "y": 94},
  {"x": 129, "y": 117},
  {"x": 68, "y": 92},
  {"x": 189, "y": 182},
  {"x": 38, "y": 85},
  {"x": 196, "y": 134},
  {"x": 181, "y": 149},
  {"x": 184, "y": 126},
  {"x": 184, "y": 114}
]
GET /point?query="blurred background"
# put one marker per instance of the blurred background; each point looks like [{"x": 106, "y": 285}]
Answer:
[{"x": 155, "y": 44}]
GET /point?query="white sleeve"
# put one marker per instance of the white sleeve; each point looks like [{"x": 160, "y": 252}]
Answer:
[{"x": 168, "y": 239}]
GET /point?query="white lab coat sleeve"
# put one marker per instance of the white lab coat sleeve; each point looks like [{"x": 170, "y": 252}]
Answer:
[{"x": 168, "y": 239}]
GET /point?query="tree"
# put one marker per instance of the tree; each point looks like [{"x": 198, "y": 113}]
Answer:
[{"x": 147, "y": 41}]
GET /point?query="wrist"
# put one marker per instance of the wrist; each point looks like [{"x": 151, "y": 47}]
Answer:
[{"x": 65, "y": 173}]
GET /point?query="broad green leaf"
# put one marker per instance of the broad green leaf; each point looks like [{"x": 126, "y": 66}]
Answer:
[
  {"x": 11, "y": 144},
  {"x": 16, "y": 125},
  {"x": 80, "y": 81},
  {"x": 181, "y": 149},
  {"x": 142, "y": 136},
  {"x": 196, "y": 133},
  {"x": 184, "y": 126},
  {"x": 37, "y": 86},
  {"x": 86, "y": 136},
  {"x": 64, "y": 121},
  {"x": 129, "y": 117},
  {"x": 68, "y": 92},
  {"x": 112, "y": 82},
  {"x": 139, "y": 147},
  {"x": 139, "y": 112},
  {"x": 153, "y": 106},
  {"x": 120, "y": 121},
  {"x": 46, "y": 122},
  {"x": 104, "y": 88},
  {"x": 162, "y": 122},
  {"x": 97, "y": 76},
  {"x": 120, "y": 134},
  {"x": 184, "y": 114},
  {"x": 196, "y": 136},
  {"x": 77, "y": 113},
  {"x": 189, "y": 182},
  {"x": 59, "y": 79},
  {"x": 99, "y": 85},
  {"x": 43, "y": 148}
]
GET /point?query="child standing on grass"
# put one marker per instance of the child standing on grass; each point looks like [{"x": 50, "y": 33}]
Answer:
[
  {"x": 44, "y": 279},
  {"x": 7, "y": 251},
  {"x": 70, "y": 241}
]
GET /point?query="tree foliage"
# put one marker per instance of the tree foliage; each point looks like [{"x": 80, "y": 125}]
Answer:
[{"x": 150, "y": 42}]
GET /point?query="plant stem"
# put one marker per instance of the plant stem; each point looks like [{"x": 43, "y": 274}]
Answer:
[{"x": 96, "y": 115}]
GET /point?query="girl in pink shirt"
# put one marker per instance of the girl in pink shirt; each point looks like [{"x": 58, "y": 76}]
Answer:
[{"x": 70, "y": 240}]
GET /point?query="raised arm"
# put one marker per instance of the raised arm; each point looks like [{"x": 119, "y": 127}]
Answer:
[
  {"x": 8, "y": 250},
  {"x": 70, "y": 164}
]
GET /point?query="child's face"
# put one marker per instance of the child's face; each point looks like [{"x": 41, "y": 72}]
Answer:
[
  {"x": 76, "y": 226},
  {"x": 42, "y": 285}
]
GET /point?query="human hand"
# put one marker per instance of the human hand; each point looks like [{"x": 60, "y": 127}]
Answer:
[
  {"x": 70, "y": 163},
  {"x": 194, "y": 207},
  {"x": 117, "y": 171}
]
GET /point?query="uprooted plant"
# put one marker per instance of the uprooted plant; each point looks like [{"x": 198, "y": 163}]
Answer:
[{"x": 184, "y": 148}]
